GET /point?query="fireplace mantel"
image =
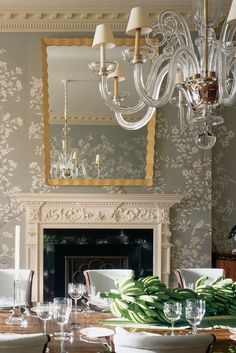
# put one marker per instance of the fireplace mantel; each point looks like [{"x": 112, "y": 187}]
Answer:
[{"x": 67, "y": 210}]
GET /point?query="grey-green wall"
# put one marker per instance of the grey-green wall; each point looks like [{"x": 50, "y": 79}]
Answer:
[{"x": 179, "y": 166}]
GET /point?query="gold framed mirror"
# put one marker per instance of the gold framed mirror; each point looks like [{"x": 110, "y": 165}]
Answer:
[{"x": 75, "y": 116}]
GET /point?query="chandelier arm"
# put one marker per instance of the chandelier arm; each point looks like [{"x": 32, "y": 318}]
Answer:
[
  {"x": 137, "y": 124},
  {"x": 226, "y": 98},
  {"x": 227, "y": 33},
  {"x": 169, "y": 16},
  {"x": 112, "y": 105},
  {"x": 175, "y": 61},
  {"x": 212, "y": 58}
]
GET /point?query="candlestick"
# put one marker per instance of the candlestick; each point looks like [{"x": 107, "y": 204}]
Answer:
[{"x": 17, "y": 248}]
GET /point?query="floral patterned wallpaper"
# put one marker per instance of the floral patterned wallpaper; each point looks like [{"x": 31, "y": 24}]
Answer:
[{"x": 206, "y": 179}]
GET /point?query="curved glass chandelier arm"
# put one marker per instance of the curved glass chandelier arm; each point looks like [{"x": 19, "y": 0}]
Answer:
[
  {"x": 175, "y": 62},
  {"x": 170, "y": 24},
  {"x": 227, "y": 33},
  {"x": 227, "y": 98},
  {"x": 137, "y": 124},
  {"x": 111, "y": 104}
]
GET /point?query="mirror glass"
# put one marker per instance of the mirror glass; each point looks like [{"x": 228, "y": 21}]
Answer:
[{"x": 76, "y": 120}]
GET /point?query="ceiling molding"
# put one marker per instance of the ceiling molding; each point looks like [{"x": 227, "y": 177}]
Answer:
[
  {"x": 74, "y": 19},
  {"x": 68, "y": 19}
]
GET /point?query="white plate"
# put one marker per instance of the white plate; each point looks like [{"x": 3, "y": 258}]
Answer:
[
  {"x": 232, "y": 330},
  {"x": 96, "y": 332},
  {"x": 233, "y": 337},
  {"x": 99, "y": 303}
]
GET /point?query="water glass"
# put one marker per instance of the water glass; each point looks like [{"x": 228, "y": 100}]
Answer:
[
  {"x": 89, "y": 295},
  {"x": 61, "y": 311},
  {"x": 172, "y": 311},
  {"x": 75, "y": 291},
  {"x": 44, "y": 312},
  {"x": 195, "y": 310}
]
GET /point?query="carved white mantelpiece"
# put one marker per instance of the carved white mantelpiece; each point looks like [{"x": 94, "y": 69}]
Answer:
[{"x": 63, "y": 210}]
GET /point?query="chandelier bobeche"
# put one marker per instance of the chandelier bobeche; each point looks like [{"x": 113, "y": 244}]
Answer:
[{"x": 203, "y": 70}]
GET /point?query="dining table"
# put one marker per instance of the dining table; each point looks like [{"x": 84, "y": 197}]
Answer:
[{"x": 78, "y": 342}]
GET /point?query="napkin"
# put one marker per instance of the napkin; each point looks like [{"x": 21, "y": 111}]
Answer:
[{"x": 135, "y": 342}]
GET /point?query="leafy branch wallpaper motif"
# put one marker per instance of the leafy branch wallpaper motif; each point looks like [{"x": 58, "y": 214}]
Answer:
[
  {"x": 206, "y": 179},
  {"x": 10, "y": 208}
]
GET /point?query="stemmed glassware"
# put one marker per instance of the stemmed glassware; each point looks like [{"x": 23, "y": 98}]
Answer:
[
  {"x": 195, "y": 310},
  {"x": 76, "y": 291},
  {"x": 61, "y": 311},
  {"x": 89, "y": 294},
  {"x": 172, "y": 311},
  {"x": 44, "y": 312}
]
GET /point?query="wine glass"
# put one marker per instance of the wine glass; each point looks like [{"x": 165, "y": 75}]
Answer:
[
  {"x": 172, "y": 311},
  {"x": 199, "y": 303},
  {"x": 44, "y": 312},
  {"x": 61, "y": 311},
  {"x": 195, "y": 310},
  {"x": 89, "y": 294},
  {"x": 75, "y": 291}
]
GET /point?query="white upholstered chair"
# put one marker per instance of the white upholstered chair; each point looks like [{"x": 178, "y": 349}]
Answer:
[
  {"x": 104, "y": 279},
  {"x": 23, "y": 343},
  {"x": 186, "y": 276},
  {"x": 7, "y": 285},
  {"x": 144, "y": 342}
]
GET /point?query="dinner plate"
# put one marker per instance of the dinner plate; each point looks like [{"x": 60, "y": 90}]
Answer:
[
  {"x": 232, "y": 330},
  {"x": 100, "y": 304},
  {"x": 233, "y": 337},
  {"x": 96, "y": 332}
]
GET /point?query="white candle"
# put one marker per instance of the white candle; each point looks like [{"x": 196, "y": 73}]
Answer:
[
  {"x": 97, "y": 161},
  {"x": 17, "y": 248}
]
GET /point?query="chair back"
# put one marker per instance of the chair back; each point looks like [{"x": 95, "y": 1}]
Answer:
[
  {"x": 191, "y": 275},
  {"x": 104, "y": 279},
  {"x": 143, "y": 342},
  {"x": 22, "y": 343},
  {"x": 25, "y": 277}
]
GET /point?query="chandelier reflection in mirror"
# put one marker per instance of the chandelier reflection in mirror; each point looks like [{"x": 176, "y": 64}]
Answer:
[
  {"x": 201, "y": 71},
  {"x": 67, "y": 162}
]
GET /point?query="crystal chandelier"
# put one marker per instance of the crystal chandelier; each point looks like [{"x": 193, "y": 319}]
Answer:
[
  {"x": 201, "y": 70},
  {"x": 66, "y": 162}
]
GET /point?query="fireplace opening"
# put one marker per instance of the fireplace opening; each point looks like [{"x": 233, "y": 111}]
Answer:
[{"x": 68, "y": 252}]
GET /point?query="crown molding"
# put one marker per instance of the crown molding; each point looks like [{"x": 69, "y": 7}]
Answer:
[
  {"x": 76, "y": 19},
  {"x": 72, "y": 19}
]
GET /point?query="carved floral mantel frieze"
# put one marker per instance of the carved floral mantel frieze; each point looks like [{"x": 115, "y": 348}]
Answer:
[{"x": 63, "y": 210}]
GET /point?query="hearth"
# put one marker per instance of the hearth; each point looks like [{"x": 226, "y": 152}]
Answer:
[{"x": 68, "y": 252}]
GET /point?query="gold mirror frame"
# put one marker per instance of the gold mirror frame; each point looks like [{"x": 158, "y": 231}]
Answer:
[{"x": 147, "y": 181}]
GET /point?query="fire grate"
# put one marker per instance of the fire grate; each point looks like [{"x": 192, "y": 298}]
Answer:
[{"x": 75, "y": 265}]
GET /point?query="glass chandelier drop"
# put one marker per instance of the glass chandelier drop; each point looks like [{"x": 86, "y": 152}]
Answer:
[
  {"x": 202, "y": 70},
  {"x": 66, "y": 163}
]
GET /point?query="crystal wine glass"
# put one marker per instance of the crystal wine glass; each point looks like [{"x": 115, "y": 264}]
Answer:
[
  {"x": 44, "y": 312},
  {"x": 61, "y": 311},
  {"x": 76, "y": 291},
  {"x": 89, "y": 294},
  {"x": 172, "y": 311},
  {"x": 195, "y": 310}
]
